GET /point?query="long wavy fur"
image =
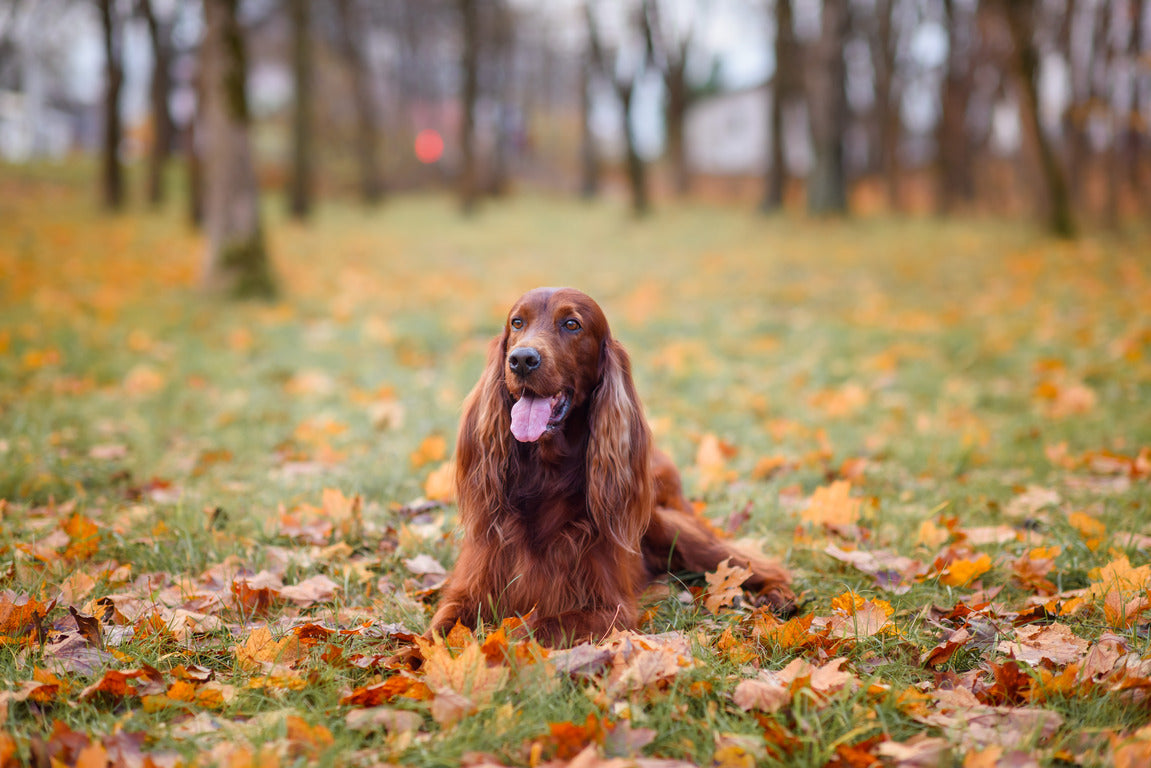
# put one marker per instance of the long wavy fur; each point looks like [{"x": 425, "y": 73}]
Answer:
[{"x": 620, "y": 490}]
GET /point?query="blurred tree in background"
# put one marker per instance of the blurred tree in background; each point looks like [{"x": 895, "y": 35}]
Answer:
[{"x": 854, "y": 106}]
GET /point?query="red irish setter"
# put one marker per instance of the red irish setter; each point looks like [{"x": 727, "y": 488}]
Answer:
[{"x": 567, "y": 508}]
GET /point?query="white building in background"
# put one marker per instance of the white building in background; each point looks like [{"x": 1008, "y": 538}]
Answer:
[{"x": 728, "y": 134}]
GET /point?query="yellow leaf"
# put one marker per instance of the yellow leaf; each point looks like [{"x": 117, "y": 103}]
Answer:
[
  {"x": 261, "y": 648},
  {"x": 931, "y": 535},
  {"x": 441, "y": 483},
  {"x": 1091, "y": 529},
  {"x": 832, "y": 505},
  {"x": 963, "y": 572},
  {"x": 462, "y": 683},
  {"x": 724, "y": 585},
  {"x": 711, "y": 461},
  {"x": 433, "y": 448}
]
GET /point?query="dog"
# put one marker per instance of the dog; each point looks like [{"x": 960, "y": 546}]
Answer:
[{"x": 567, "y": 509}]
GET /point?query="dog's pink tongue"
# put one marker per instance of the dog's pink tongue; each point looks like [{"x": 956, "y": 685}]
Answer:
[{"x": 530, "y": 417}]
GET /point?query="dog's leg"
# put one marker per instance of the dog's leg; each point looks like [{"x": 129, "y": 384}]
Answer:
[{"x": 682, "y": 541}]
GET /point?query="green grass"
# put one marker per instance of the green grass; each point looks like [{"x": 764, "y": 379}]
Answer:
[{"x": 932, "y": 349}]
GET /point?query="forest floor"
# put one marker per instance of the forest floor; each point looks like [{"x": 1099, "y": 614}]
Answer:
[{"x": 220, "y": 521}]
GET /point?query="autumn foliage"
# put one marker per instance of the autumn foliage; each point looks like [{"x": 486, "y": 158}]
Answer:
[{"x": 223, "y": 528}]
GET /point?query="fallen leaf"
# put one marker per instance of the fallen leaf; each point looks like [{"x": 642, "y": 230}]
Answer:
[
  {"x": 724, "y": 585},
  {"x": 962, "y": 572},
  {"x": 832, "y": 505}
]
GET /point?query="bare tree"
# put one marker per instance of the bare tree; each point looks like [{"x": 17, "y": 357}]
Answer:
[
  {"x": 589, "y": 157},
  {"x": 300, "y": 184},
  {"x": 786, "y": 88},
  {"x": 1020, "y": 16},
  {"x": 669, "y": 49},
  {"x": 827, "y": 105},
  {"x": 470, "y": 66},
  {"x": 351, "y": 46},
  {"x": 624, "y": 77},
  {"x": 887, "y": 97},
  {"x": 236, "y": 262},
  {"x": 956, "y": 180},
  {"x": 112, "y": 177},
  {"x": 159, "y": 33}
]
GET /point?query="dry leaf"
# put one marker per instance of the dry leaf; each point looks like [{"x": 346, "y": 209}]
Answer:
[
  {"x": 724, "y": 585},
  {"x": 832, "y": 505}
]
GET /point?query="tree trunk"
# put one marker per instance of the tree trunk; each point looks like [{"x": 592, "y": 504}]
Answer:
[
  {"x": 161, "y": 87},
  {"x": 784, "y": 90},
  {"x": 236, "y": 262},
  {"x": 367, "y": 126},
  {"x": 1020, "y": 19},
  {"x": 589, "y": 158},
  {"x": 678, "y": 101},
  {"x": 300, "y": 186},
  {"x": 112, "y": 177},
  {"x": 468, "y": 187},
  {"x": 827, "y": 105},
  {"x": 955, "y": 179},
  {"x": 636, "y": 169},
  {"x": 887, "y": 102}
]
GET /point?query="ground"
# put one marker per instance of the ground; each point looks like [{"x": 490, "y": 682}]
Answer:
[{"x": 220, "y": 520}]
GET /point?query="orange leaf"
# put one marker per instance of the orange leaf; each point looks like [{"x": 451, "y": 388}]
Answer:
[
  {"x": 832, "y": 505},
  {"x": 433, "y": 448},
  {"x": 441, "y": 483},
  {"x": 962, "y": 572},
  {"x": 1092, "y": 530},
  {"x": 261, "y": 648}
]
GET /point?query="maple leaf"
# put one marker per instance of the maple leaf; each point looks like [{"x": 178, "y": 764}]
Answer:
[
  {"x": 856, "y": 616},
  {"x": 1054, "y": 642},
  {"x": 724, "y": 585},
  {"x": 462, "y": 683},
  {"x": 766, "y": 696},
  {"x": 962, "y": 572},
  {"x": 261, "y": 649},
  {"x": 833, "y": 506},
  {"x": 1118, "y": 575}
]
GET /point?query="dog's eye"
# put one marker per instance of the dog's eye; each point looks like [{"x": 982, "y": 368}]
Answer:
[
  {"x": 517, "y": 323},
  {"x": 572, "y": 325}
]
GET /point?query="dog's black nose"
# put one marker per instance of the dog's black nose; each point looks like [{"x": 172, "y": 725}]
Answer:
[{"x": 524, "y": 360}]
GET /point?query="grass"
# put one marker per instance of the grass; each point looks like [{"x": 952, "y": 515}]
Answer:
[{"x": 953, "y": 357}]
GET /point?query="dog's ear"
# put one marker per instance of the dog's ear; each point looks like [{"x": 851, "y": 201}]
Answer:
[
  {"x": 620, "y": 488},
  {"x": 484, "y": 444}
]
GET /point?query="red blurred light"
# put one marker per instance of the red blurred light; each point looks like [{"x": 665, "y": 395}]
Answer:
[{"x": 429, "y": 146}]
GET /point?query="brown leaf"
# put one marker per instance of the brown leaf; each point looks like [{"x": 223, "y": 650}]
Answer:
[
  {"x": 89, "y": 627},
  {"x": 919, "y": 751},
  {"x": 942, "y": 653},
  {"x": 761, "y": 694},
  {"x": 1055, "y": 642},
  {"x": 261, "y": 648},
  {"x": 724, "y": 585},
  {"x": 391, "y": 720}
]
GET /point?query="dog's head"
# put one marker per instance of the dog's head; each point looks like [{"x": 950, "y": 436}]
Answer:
[
  {"x": 554, "y": 362},
  {"x": 555, "y": 340}
]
